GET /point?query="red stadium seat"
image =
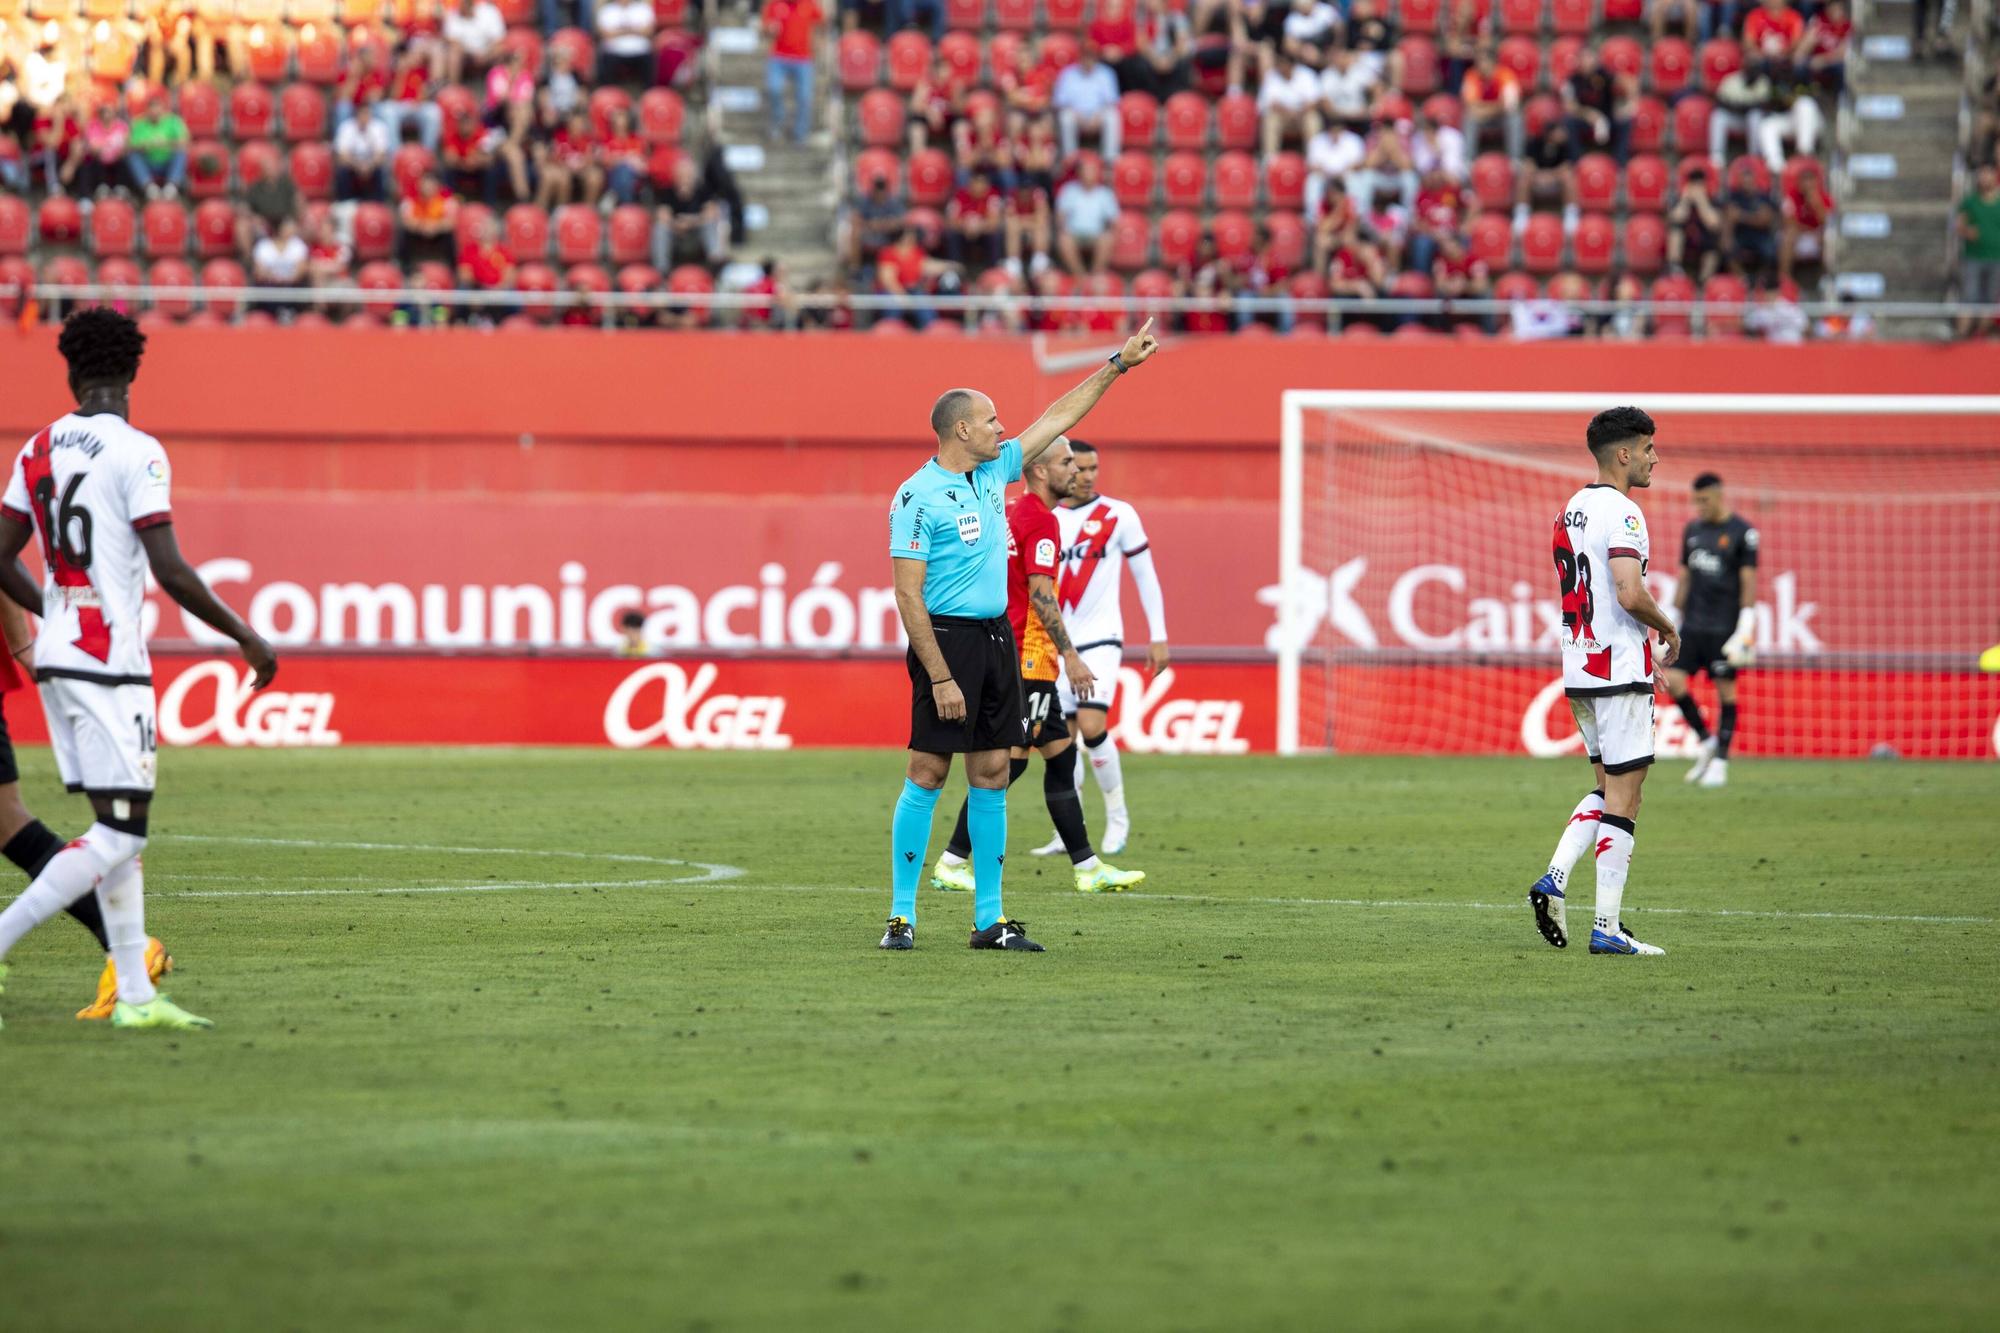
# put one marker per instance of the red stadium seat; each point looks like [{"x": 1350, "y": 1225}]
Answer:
[
  {"x": 1522, "y": 55},
  {"x": 1236, "y": 121},
  {"x": 960, "y": 53},
  {"x": 1752, "y": 166},
  {"x": 1004, "y": 50},
  {"x": 582, "y": 51},
  {"x": 320, "y": 59},
  {"x": 15, "y": 224},
  {"x": 408, "y": 166},
  {"x": 1063, "y": 15},
  {"x": 1672, "y": 287},
  {"x": 1649, "y": 125},
  {"x": 1516, "y": 286},
  {"x": 881, "y": 115},
  {"x": 255, "y": 161},
  {"x": 374, "y": 232},
  {"x": 1309, "y": 286},
  {"x": 121, "y": 272},
  {"x": 589, "y": 278},
  {"x": 1623, "y": 11},
  {"x": 219, "y": 277},
  {"x": 1132, "y": 180},
  {"x": 931, "y": 178},
  {"x": 984, "y": 99},
  {"x": 525, "y": 233},
  {"x": 928, "y": 224},
  {"x": 68, "y": 270},
  {"x": 208, "y": 170},
  {"x": 1645, "y": 244},
  {"x": 1445, "y": 110},
  {"x": 579, "y": 234},
  {"x": 528, "y": 41},
  {"x": 1421, "y": 72},
  {"x": 1129, "y": 242},
  {"x": 1623, "y": 55},
  {"x": 1724, "y": 289},
  {"x": 1596, "y": 183},
  {"x": 1184, "y": 182},
  {"x": 60, "y": 220},
  {"x": 1691, "y": 116},
  {"x": 1420, "y": 15},
  {"x": 201, "y": 108},
  {"x": 693, "y": 280},
  {"x": 1235, "y": 180},
  {"x": 1285, "y": 182},
  {"x": 215, "y": 229},
  {"x": 1521, "y": 16},
  {"x": 1287, "y": 232},
  {"x": 1646, "y": 184},
  {"x": 873, "y": 164},
  {"x": 603, "y": 102},
  {"x": 1564, "y": 53},
  {"x": 1180, "y": 237},
  {"x": 1061, "y": 50},
  {"x": 379, "y": 277},
  {"x": 269, "y": 61},
  {"x": 1155, "y": 284},
  {"x": 538, "y": 279},
  {"x": 163, "y": 229},
  {"x": 661, "y": 116},
  {"x": 671, "y": 14},
  {"x": 1692, "y": 165},
  {"x": 1235, "y": 235},
  {"x": 1571, "y": 18},
  {"x": 1492, "y": 240},
  {"x": 454, "y": 98},
  {"x": 519, "y": 13},
  {"x": 1412, "y": 286},
  {"x": 1139, "y": 116},
  {"x": 860, "y": 58},
  {"x": 1014, "y": 15},
  {"x": 1595, "y": 240},
  {"x": 15, "y": 271},
  {"x": 909, "y": 59},
  {"x": 172, "y": 273},
  {"x": 965, "y": 15},
  {"x": 1720, "y": 57},
  {"x": 1541, "y": 111},
  {"x": 252, "y": 111},
  {"x": 312, "y": 169},
  {"x": 1673, "y": 66},
  {"x": 1493, "y": 181},
  {"x": 631, "y": 234},
  {"x": 636, "y": 278},
  {"x": 1187, "y": 122},
  {"x": 1542, "y": 244},
  {"x": 114, "y": 229}
]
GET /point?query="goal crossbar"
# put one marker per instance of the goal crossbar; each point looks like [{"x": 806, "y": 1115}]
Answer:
[{"x": 1296, "y": 403}]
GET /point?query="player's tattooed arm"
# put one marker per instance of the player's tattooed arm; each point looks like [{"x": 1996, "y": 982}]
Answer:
[
  {"x": 1042, "y": 596},
  {"x": 14, "y": 580}
]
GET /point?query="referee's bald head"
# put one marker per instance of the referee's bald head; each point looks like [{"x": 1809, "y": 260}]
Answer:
[{"x": 952, "y": 407}]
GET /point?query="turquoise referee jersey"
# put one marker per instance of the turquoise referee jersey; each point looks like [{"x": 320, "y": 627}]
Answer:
[{"x": 957, "y": 523}]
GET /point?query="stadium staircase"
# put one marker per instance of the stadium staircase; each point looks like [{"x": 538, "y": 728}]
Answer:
[
  {"x": 1899, "y": 133},
  {"x": 789, "y": 190}
]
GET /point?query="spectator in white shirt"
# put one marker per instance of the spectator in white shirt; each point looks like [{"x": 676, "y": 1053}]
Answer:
[
  {"x": 1288, "y": 102},
  {"x": 1086, "y": 102},
  {"x": 625, "y": 42},
  {"x": 279, "y": 260},
  {"x": 473, "y": 31},
  {"x": 1435, "y": 147},
  {"x": 361, "y": 151},
  {"x": 1311, "y": 30},
  {"x": 1347, "y": 85},
  {"x": 1085, "y": 210},
  {"x": 1330, "y": 155}
]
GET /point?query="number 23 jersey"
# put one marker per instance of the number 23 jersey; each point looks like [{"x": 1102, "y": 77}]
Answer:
[
  {"x": 1605, "y": 651},
  {"x": 88, "y": 485}
]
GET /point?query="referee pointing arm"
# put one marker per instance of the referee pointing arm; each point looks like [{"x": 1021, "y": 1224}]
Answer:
[{"x": 948, "y": 541}]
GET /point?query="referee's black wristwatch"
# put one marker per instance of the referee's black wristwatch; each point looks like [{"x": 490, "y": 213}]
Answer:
[{"x": 1119, "y": 362}]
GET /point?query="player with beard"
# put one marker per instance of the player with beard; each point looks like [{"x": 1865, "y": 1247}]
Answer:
[{"x": 1103, "y": 537}]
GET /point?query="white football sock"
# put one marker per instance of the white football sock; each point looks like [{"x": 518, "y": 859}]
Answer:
[
  {"x": 1578, "y": 836},
  {"x": 1614, "y": 862},
  {"x": 121, "y": 897},
  {"x": 1104, "y": 766},
  {"x": 70, "y": 873},
  {"x": 950, "y": 858}
]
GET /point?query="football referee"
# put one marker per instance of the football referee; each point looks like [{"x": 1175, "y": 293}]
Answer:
[{"x": 948, "y": 540}]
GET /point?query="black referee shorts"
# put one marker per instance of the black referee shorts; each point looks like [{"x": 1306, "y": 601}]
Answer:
[
  {"x": 981, "y": 657},
  {"x": 1701, "y": 650}
]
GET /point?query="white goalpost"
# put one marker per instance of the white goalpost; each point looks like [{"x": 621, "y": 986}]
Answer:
[{"x": 1417, "y": 599}]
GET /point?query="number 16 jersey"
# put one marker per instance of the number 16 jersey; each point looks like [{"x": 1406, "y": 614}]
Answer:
[
  {"x": 1605, "y": 651},
  {"x": 88, "y": 485}
]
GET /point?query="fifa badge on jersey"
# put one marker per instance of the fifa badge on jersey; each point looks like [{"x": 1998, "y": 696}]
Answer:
[{"x": 968, "y": 528}]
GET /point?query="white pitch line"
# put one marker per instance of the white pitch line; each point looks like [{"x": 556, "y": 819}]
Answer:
[
  {"x": 561, "y": 853},
  {"x": 392, "y": 890}
]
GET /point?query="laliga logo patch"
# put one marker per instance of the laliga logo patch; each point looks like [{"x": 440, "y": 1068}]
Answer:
[
  {"x": 1632, "y": 523},
  {"x": 1045, "y": 552}
]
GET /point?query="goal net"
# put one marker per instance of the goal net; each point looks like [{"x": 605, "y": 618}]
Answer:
[{"x": 1419, "y": 602}]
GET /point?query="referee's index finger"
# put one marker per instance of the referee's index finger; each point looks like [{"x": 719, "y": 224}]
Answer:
[{"x": 1147, "y": 327}]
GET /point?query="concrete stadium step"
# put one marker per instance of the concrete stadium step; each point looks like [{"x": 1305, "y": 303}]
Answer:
[{"x": 792, "y": 184}]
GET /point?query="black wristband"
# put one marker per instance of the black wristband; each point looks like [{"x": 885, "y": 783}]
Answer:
[
  {"x": 945, "y": 681},
  {"x": 1119, "y": 362}
]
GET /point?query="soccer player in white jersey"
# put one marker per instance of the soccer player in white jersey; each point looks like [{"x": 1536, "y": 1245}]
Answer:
[
  {"x": 1102, "y": 536},
  {"x": 97, "y": 491},
  {"x": 1601, "y": 549}
]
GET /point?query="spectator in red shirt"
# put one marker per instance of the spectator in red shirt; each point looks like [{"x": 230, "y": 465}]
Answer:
[
  {"x": 1492, "y": 96},
  {"x": 573, "y": 163},
  {"x": 1821, "y": 55},
  {"x": 1114, "y": 31},
  {"x": 623, "y": 155},
  {"x": 981, "y": 144},
  {"x": 326, "y": 258},
  {"x": 791, "y": 25},
  {"x": 1355, "y": 270},
  {"x": 409, "y": 99},
  {"x": 467, "y": 157},
  {"x": 905, "y": 270},
  {"x": 1027, "y": 228},
  {"x": 1030, "y": 83},
  {"x": 429, "y": 221},
  {"x": 482, "y": 264},
  {"x": 1455, "y": 273},
  {"x": 975, "y": 225},
  {"x": 1440, "y": 212},
  {"x": 364, "y": 76},
  {"x": 936, "y": 104},
  {"x": 1807, "y": 206},
  {"x": 1773, "y": 30}
]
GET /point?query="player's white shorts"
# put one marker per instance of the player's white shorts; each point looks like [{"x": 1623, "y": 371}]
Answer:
[
  {"x": 1103, "y": 659},
  {"x": 103, "y": 735},
  {"x": 1617, "y": 730}
]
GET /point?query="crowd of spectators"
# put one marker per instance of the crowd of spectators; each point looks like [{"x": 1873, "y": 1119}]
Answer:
[{"x": 1401, "y": 188}]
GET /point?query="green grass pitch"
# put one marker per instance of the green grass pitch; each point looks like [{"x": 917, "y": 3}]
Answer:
[{"x": 1253, "y": 1101}]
